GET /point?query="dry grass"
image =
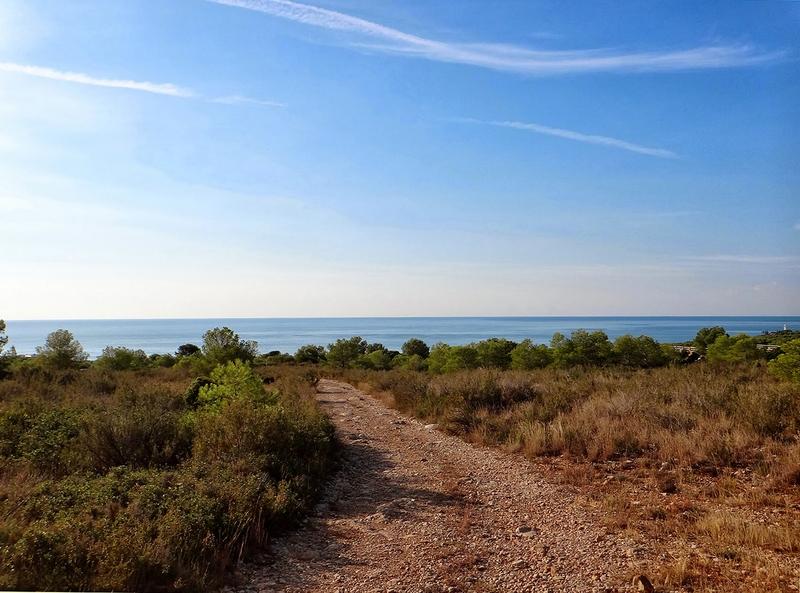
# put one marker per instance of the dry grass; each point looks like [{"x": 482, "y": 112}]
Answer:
[
  {"x": 726, "y": 529},
  {"x": 702, "y": 462}
]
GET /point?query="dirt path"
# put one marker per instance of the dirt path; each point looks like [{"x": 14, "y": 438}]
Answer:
[{"x": 415, "y": 510}]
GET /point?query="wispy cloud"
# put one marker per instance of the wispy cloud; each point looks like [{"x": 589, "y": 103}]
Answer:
[
  {"x": 169, "y": 89},
  {"x": 797, "y": 226},
  {"x": 745, "y": 259},
  {"x": 80, "y": 78},
  {"x": 511, "y": 57},
  {"x": 240, "y": 100},
  {"x": 579, "y": 137}
]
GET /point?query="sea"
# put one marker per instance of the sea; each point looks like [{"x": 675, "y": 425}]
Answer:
[{"x": 287, "y": 334}]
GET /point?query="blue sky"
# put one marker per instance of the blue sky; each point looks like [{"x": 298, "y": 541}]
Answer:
[{"x": 269, "y": 158}]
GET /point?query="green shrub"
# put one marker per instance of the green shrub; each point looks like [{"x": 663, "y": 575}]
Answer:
[
  {"x": 527, "y": 356},
  {"x": 345, "y": 352},
  {"x": 119, "y": 358},
  {"x": 232, "y": 381},
  {"x": 642, "y": 352},
  {"x": 741, "y": 348},
  {"x": 787, "y": 365},
  {"x": 582, "y": 348},
  {"x": 310, "y": 354},
  {"x": 415, "y": 347},
  {"x": 130, "y": 488}
]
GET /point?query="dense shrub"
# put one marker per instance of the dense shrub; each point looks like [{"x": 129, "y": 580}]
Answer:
[
  {"x": 642, "y": 352},
  {"x": 345, "y": 352},
  {"x": 416, "y": 347},
  {"x": 582, "y": 348},
  {"x": 527, "y": 356},
  {"x": 707, "y": 336},
  {"x": 310, "y": 354},
  {"x": 741, "y": 348},
  {"x": 787, "y": 365},
  {"x": 119, "y": 358},
  {"x": 120, "y": 481}
]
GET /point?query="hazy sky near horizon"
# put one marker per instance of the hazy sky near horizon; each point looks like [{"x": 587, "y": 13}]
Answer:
[{"x": 245, "y": 158}]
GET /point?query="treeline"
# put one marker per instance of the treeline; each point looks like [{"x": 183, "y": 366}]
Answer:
[{"x": 581, "y": 348}]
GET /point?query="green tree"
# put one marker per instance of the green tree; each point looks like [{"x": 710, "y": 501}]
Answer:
[
  {"x": 310, "y": 354},
  {"x": 375, "y": 347},
  {"x": 438, "y": 357},
  {"x": 581, "y": 348},
  {"x": 707, "y": 336},
  {"x": 411, "y": 363},
  {"x": 527, "y": 356},
  {"x": 61, "y": 351},
  {"x": 642, "y": 352},
  {"x": 344, "y": 352},
  {"x": 417, "y": 347},
  {"x": 495, "y": 353},
  {"x": 787, "y": 365},
  {"x": 222, "y": 344},
  {"x": 119, "y": 358},
  {"x": 460, "y": 358},
  {"x": 725, "y": 348},
  {"x": 379, "y": 360},
  {"x": 187, "y": 350}
]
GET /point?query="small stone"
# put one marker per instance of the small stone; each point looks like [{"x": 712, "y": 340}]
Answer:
[
  {"x": 431, "y": 426},
  {"x": 519, "y": 563},
  {"x": 643, "y": 584},
  {"x": 525, "y": 531}
]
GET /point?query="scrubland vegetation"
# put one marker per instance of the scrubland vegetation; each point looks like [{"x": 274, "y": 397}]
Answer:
[
  {"x": 160, "y": 471},
  {"x": 128, "y": 476},
  {"x": 700, "y": 459}
]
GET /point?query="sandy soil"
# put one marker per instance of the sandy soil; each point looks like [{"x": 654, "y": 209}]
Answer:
[{"x": 414, "y": 510}]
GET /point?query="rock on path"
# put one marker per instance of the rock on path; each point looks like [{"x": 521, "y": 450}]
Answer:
[{"x": 414, "y": 510}]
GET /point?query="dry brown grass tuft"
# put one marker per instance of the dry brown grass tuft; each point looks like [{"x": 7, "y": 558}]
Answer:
[{"x": 726, "y": 529}]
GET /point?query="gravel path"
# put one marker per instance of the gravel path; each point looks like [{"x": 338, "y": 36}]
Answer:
[{"x": 414, "y": 510}]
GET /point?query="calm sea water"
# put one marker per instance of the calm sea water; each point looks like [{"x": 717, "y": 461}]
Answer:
[{"x": 165, "y": 335}]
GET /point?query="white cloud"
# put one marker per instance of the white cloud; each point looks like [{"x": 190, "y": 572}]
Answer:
[
  {"x": 510, "y": 57},
  {"x": 80, "y": 78},
  {"x": 240, "y": 100},
  {"x": 581, "y": 137},
  {"x": 745, "y": 259},
  {"x": 157, "y": 88}
]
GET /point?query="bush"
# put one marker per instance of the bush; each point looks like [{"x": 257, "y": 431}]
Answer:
[
  {"x": 122, "y": 359},
  {"x": 787, "y": 365},
  {"x": 111, "y": 481},
  {"x": 310, "y": 354},
  {"x": 707, "y": 336},
  {"x": 642, "y": 352},
  {"x": 527, "y": 356},
  {"x": 232, "y": 381},
  {"x": 741, "y": 348},
  {"x": 495, "y": 353},
  {"x": 582, "y": 348}
]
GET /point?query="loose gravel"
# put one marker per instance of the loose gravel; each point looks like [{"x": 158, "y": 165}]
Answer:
[{"x": 412, "y": 509}]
